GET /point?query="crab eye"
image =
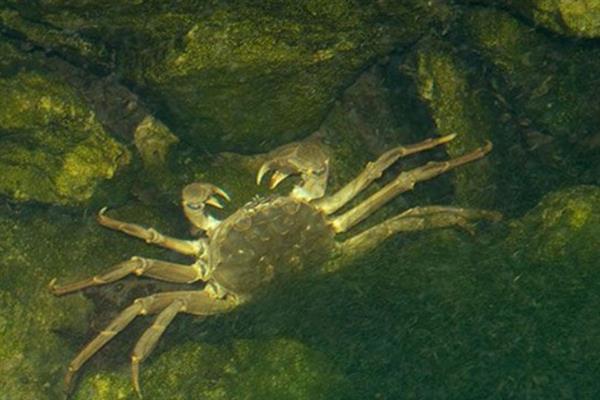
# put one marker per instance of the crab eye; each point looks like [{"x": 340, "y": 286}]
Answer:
[{"x": 194, "y": 206}]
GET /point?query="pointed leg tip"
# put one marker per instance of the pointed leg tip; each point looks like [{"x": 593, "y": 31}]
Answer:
[
  {"x": 101, "y": 217},
  {"x": 138, "y": 391},
  {"x": 54, "y": 288},
  {"x": 447, "y": 138},
  {"x": 135, "y": 375},
  {"x": 68, "y": 382}
]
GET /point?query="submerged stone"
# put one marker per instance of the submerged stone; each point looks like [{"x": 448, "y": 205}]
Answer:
[
  {"x": 245, "y": 369},
  {"x": 551, "y": 84},
  {"x": 32, "y": 321},
  {"x": 564, "y": 229},
  {"x": 452, "y": 92},
  {"x": 547, "y": 89},
  {"x": 241, "y": 76},
  {"x": 52, "y": 148},
  {"x": 580, "y": 18}
]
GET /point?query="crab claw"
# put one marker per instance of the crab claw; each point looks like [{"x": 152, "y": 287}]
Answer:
[
  {"x": 214, "y": 201},
  {"x": 277, "y": 177},
  {"x": 306, "y": 159},
  {"x": 197, "y": 194},
  {"x": 195, "y": 197}
]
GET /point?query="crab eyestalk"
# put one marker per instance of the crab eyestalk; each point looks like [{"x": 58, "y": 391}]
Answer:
[{"x": 194, "y": 199}]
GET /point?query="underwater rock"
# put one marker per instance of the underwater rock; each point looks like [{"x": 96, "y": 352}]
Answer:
[
  {"x": 549, "y": 91},
  {"x": 40, "y": 333},
  {"x": 33, "y": 250},
  {"x": 52, "y": 147},
  {"x": 153, "y": 140},
  {"x": 244, "y": 369},
  {"x": 458, "y": 103},
  {"x": 242, "y": 77},
  {"x": 564, "y": 229},
  {"x": 360, "y": 127},
  {"x": 51, "y": 38},
  {"x": 580, "y": 18},
  {"x": 574, "y": 18},
  {"x": 552, "y": 83}
]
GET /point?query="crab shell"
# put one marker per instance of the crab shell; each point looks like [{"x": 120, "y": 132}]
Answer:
[{"x": 268, "y": 239}]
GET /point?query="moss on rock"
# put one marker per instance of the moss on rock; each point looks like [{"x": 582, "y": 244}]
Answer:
[
  {"x": 33, "y": 251},
  {"x": 580, "y": 18},
  {"x": 553, "y": 84},
  {"x": 258, "y": 78},
  {"x": 245, "y": 369},
  {"x": 240, "y": 76},
  {"x": 53, "y": 150},
  {"x": 564, "y": 229},
  {"x": 453, "y": 93},
  {"x": 548, "y": 90},
  {"x": 41, "y": 333}
]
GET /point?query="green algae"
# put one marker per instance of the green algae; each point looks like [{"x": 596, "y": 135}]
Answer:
[
  {"x": 46, "y": 36},
  {"x": 53, "y": 148},
  {"x": 248, "y": 369},
  {"x": 551, "y": 83},
  {"x": 577, "y": 19},
  {"x": 458, "y": 106},
  {"x": 236, "y": 75},
  {"x": 566, "y": 17},
  {"x": 40, "y": 333},
  {"x": 33, "y": 252},
  {"x": 285, "y": 71},
  {"x": 562, "y": 229},
  {"x": 549, "y": 87}
]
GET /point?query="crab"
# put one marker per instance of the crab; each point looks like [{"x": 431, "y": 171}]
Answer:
[{"x": 268, "y": 239}]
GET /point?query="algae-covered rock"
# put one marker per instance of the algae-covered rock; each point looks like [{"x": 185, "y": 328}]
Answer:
[
  {"x": 153, "y": 140},
  {"x": 551, "y": 85},
  {"x": 575, "y": 18},
  {"x": 549, "y": 90},
  {"x": 244, "y": 369},
  {"x": 244, "y": 75},
  {"x": 452, "y": 91},
  {"x": 33, "y": 251},
  {"x": 41, "y": 333},
  {"x": 52, "y": 148},
  {"x": 360, "y": 127},
  {"x": 53, "y": 38},
  {"x": 564, "y": 229},
  {"x": 247, "y": 78},
  {"x": 580, "y": 18}
]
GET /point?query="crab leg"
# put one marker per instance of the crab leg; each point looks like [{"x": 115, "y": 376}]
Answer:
[
  {"x": 157, "y": 269},
  {"x": 403, "y": 183},
  {"x": 150, "y": 338},
  {"x": 150, "y": 235},
  {"x": 416, "y": 219},
  {"x": 373, "y": 171},
  {"x": 167, "y": 304},
  {"x": 198, "y": 303}
]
